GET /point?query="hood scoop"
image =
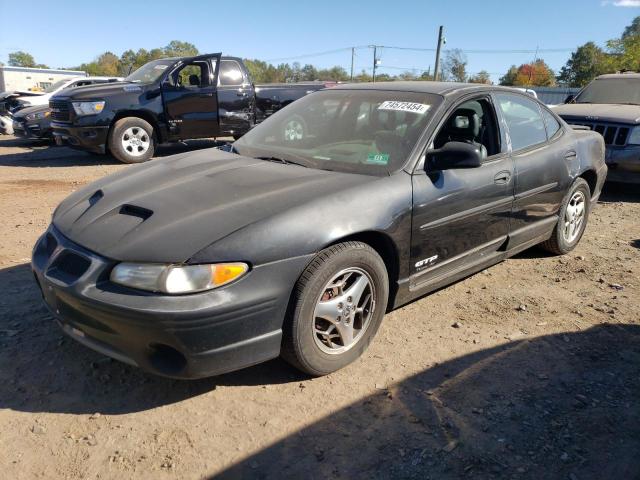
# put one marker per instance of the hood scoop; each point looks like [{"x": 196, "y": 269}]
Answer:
[{"x": 135, "y": 211}]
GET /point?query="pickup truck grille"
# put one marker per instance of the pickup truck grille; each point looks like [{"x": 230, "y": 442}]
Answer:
[
  {"x": 59, "y": 110},
  {"x": 613, "y": 134}
]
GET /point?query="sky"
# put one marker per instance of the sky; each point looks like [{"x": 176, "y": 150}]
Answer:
[{"x": 66, "y": 33}]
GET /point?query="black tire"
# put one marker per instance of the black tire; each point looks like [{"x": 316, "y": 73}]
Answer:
[
  {"x": 558, "y": 244},
  {"x": 299, "y": 347},
  {"x": 116, "y": 136}
]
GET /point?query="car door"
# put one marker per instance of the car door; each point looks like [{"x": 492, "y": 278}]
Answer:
[
  {"x": 461, "y": 217},
  {"x": 541, "y": 155},
  {"x": 236, "y": 98},
  {"x": 190, "y": 100}
]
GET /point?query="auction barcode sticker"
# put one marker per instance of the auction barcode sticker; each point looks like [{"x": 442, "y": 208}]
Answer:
[{"x": 404, "y": 106}]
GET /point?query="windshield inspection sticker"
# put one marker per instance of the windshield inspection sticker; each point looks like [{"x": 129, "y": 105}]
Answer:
[
  {"x": 378, "y": 158},
  {"x": 420, "y": 108}
]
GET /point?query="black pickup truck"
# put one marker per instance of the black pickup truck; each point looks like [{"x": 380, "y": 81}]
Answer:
[{"x": 169, "y": 100}]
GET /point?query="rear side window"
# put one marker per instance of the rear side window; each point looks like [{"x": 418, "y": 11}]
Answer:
[
  {"x": 230, "y": 73},
  {"x": 526, "y": 127},
  {"x": 553, "y": 126}
]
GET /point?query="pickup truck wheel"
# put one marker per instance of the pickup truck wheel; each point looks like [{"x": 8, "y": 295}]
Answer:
[
  {"x": 337, "y": 307},
  {"x": 132, "y": 140},
  {"x": 572, "y": 220}
]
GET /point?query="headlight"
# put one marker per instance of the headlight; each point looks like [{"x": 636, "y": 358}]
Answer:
[
  {"x": 176, "y": 279},
  {"x": 88, "y": 108},
  {"x": 634, "y": 138},
  {"x": 38, "y": 116}
]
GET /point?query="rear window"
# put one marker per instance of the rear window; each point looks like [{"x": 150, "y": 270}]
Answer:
[
  {"x": 526, "y": 127},
  {"x": 230, "y": 73},
  {"x": 553, "y": 126}
]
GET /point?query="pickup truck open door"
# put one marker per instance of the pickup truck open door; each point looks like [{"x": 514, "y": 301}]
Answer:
[{"x": 189, "y": 93}]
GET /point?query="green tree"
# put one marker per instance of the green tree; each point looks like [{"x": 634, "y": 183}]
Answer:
[
  {"x": 509, "y": 78},
  {"x": 23, "y": 59},
  {"x": 176, "y": 48},
  {"x": 586, "y": 63},
  {"x": 625, "y": 54},
  {"x": 309, "y": 73},
  {"x": 481, "y": 77},
  {"x": 633, "y": 29},
  {"x": 454, "y": 66}
]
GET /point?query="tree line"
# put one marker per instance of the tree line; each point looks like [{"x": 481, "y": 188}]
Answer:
[{"x": 585, "y": 63}]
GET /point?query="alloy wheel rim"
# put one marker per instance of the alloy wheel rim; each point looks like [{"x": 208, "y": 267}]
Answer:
[
  {"x": 574, "y": 216},
  {"x": 343, "y": 311},
  {"x": 135, "y": 141}
]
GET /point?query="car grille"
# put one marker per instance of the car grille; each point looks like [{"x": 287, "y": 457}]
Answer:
[
  {"x": 59, "y": 110},
  {"x": 612, "y": 134}
]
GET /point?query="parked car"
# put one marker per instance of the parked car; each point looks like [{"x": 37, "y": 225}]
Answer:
[
  {"x": 210, "y": 261},
  {"x": 13, "y": 102},
  {"x": 168, "y": 100},
  {"x": 33, "y": 123},
  {"x": 610, "y": 105},
  {"x": 17, "y": 100}
]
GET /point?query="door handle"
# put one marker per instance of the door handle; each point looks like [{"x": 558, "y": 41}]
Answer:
[
  {"x": 241, "y": 94},
  {"x": 570, "y": 155},
  {"x": 502, "y": 178}
]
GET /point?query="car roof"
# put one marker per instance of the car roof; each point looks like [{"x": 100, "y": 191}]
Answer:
[
  {"x": 438, "y": 88},
  {"x": 619, "y": 75}
]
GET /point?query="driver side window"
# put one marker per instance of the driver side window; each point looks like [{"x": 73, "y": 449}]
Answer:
[
  {"x": 191, "y": 76},
  {"x": 472, "y": 122}
]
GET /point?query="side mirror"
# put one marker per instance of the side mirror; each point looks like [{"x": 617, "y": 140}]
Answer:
[
  {"x": 569, "y": 99},
  {"x": 456, "y": 155}
]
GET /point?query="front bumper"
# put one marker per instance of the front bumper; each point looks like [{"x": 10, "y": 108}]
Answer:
[
  {"x": 33, "y": 130},
  {"x": 90, "y": 139},
  {"x": 623, "y": 163},
  {"x": 187, "y": 336}
]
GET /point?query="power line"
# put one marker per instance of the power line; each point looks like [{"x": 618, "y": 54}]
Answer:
[{"x": 418, "y": 49}]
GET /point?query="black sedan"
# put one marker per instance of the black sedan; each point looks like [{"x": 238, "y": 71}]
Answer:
[
  {"x": 297, "y": 245},
  {"x": 33, "y": 122}
]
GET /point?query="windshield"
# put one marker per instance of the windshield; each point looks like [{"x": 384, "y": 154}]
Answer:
[
  {"x": 150, "y": 72},
  {"x": 55, "y": 86},
  {"x": 611, "y": 90},
  {"x": 361, "y": 131}
]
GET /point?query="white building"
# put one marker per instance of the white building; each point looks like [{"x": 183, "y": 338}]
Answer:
[{"x": 32, "y": 79}]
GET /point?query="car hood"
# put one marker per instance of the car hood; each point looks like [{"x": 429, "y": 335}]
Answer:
[
  {"x": 27, "y": 110},
  {"x": 168, "y": 210},
  {"x": 19, "y": 93},
  {"x": 101, "y": 90},
  {"x": 600, "y": 112}
]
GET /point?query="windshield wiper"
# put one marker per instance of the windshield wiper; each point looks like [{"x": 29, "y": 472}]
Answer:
[{"x": 280, "y": 160}]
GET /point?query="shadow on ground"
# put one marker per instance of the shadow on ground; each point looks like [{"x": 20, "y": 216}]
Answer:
[
  {"x": 620, "y": 192},
  {"x": 555, "y": 407},
  {"x": 44, "y": 154},
  {"x": 42, "y": 370},
  {"x": 560, "y": 406}
]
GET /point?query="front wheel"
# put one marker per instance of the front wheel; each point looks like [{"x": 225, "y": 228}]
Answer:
[
  {"x": 338, "y": 305},
  {"x": 572, "y": 220},
  {"x": 131, "y": 140}
]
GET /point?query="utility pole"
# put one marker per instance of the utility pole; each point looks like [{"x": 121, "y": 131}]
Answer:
[
  {"x": 441, "y": 39},
  {"x": 353, "y": 53},
  {"x": 375, "y": 63}
]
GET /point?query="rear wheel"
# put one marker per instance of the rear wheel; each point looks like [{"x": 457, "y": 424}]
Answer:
[
  {"x": 572, "y": 220},
  {"x": 339, "y": 303},
  {"x": 131, "y": 140}
]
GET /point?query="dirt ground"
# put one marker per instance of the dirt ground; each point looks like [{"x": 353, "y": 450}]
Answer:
[{"x": 530, "y": 369}]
